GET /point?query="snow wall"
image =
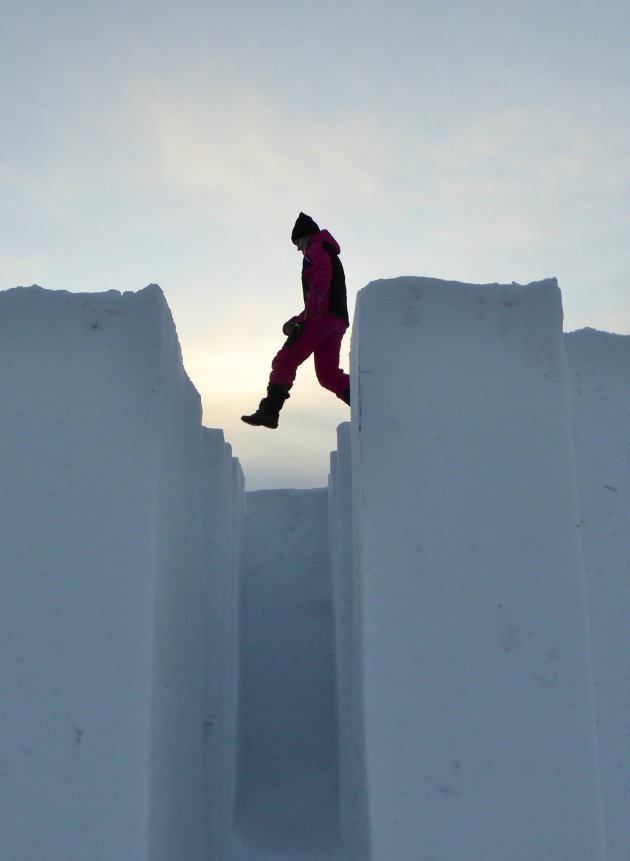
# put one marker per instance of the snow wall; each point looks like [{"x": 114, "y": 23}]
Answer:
[
  {"x": 599, "y": 365},
  {"x": 488, "y": 476},
  {"x": 478, "y": 549},
  {"x": 119, "y": 539}
]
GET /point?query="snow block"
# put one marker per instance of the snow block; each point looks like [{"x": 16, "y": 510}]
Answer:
[
  {"x": 105, "y": 570},
  {"x": 469, "y": 585},
  {"x": 599, "y": 365},
  {"x": 225, "y": 492},
  {"x": 352, "y": 814}
]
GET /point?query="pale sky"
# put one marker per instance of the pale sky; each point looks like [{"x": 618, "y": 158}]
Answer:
[{"x": 176, "y": 142}]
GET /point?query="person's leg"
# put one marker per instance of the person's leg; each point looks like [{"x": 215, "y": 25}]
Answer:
[
  {"x": 329, "y": 374},
  {"x": 284, "y": 368},
  {"x": 286, "y": 362}
]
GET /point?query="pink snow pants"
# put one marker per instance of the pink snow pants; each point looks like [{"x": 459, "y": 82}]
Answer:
[{"x": 321, "y": 339}]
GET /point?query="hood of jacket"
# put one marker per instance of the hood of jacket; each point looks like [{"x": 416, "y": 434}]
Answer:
[{"x": 325, "y": 238}]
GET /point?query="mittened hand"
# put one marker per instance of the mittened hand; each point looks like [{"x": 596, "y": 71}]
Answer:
[
  {"x": 288, "y": 327},
  {"x": 294, "y": 332}
]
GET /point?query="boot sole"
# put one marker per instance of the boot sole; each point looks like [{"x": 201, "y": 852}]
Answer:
[{"x": 259, "y": 423}]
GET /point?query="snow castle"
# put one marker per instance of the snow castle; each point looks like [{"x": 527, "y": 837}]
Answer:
[{"x": 424, "y": 660}]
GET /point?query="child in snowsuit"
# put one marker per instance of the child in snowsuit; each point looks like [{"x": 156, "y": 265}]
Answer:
[{"x": 318, "y": 330}]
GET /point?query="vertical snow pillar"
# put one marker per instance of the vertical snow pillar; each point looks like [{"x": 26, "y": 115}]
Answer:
[
  {"x": 179, "y": 586},
  {"x": 599, "y": 365},
  {"x": 476, "y": 689},
  {"x": 225, "y": 492},
  {"x": 351, "y": 784}
]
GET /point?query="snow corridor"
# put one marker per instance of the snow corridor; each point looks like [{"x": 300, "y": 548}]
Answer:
[{"x": 424, "y": 661}]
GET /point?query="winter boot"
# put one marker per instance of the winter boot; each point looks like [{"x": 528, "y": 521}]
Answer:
[
  {"x": 269, "y": 408},
  {"x": 345, "y": 397}
]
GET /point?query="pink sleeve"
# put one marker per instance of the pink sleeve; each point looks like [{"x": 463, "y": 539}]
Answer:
[{"x": 319, "y": 277}]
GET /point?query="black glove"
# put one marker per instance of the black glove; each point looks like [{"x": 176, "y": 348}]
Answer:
[
  {"x": 288, "y": 326},
  {"x": 293, "y": 328}
]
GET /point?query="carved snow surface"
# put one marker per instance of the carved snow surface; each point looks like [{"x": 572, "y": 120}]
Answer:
[{"x": 423, "y": 662}]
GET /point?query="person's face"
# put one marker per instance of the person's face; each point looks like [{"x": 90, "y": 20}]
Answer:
[{"x": 301, "y": 243}]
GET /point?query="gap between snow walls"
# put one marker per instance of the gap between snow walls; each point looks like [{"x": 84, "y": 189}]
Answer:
[{"x": 420, "y": 661}]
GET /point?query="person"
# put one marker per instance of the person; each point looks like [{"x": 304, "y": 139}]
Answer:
[{"x": 317, "y": 330}]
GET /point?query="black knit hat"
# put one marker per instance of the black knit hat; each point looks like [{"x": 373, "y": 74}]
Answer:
[{"x": 304, "y": 226}]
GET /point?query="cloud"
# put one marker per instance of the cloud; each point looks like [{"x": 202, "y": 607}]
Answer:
[{"x": 241, "y": 152}]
